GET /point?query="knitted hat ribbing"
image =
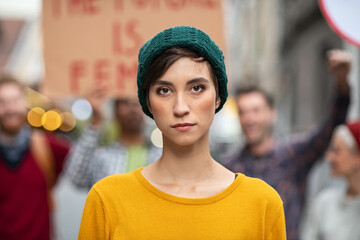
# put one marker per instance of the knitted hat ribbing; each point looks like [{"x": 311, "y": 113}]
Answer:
[
  {"x": 354, "y": 128},
  {"x": 187, "y": 37}
]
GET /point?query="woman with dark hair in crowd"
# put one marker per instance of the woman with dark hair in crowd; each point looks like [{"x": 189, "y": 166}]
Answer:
[{"x": 186, "y": 194}]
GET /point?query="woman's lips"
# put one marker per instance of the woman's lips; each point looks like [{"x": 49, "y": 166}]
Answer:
[{"x": 182, "y": 127}]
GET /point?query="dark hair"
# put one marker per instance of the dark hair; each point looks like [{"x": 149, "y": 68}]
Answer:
[
  {"x": 162, "y": 63},
  {"x": 252, "y": 88},
  {"x": 7, "y": 79},
  {"x": 121, "y": 101}
]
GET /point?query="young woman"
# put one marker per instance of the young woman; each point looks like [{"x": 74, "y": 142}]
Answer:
[
  {"x": 335, "y": 213},
  {"x": 186, "y": 194}
]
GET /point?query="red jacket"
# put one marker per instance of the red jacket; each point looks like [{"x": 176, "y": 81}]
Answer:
[{"x": 24, "y": 209}]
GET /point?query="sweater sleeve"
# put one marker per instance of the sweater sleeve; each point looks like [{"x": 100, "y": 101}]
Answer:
[
  {"x": 93, "y": 222},
  {"x": 278, "y": 229},
  {"x": 275, "y": 227}
]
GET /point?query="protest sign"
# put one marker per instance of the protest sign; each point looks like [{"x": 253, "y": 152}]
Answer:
[{"x": 89, "y": 42}]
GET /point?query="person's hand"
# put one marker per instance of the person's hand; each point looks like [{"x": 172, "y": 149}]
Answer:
[
  {"x": 97, "y": 97},
  {"x": 339, "y": 63}
]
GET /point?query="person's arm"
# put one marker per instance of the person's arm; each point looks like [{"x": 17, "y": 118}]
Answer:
[
  {"x": 82, "y": 157},
  {"x": 93, "y": 222},
  {"x": 309, "y": 148}
]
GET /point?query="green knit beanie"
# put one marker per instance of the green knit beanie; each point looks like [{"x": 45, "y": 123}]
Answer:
[{"x": 187, "y": 37}]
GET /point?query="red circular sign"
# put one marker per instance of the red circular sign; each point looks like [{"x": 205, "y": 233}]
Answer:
[{"x": 344, "y": 18}]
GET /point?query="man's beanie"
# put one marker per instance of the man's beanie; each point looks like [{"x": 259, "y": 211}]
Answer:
[
  {"x": 187, "y": 37},
  {"x": 354, "y": 128}
]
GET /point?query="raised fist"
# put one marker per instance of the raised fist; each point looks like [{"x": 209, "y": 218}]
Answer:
[{"x": 339, "y": 63}]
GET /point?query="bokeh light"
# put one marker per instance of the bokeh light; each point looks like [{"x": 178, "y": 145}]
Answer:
[
  {"x": 68, "y": 122},
  {"x": 230, "y": 107},
  {"x": 81, "y": 108},
  {"x": 51, "y": 120},
  {"x": 156, "y": 137},
  {"x": 34, "y": 116}
]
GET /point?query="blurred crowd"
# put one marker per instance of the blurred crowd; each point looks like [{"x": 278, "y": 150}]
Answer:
[{"x": 33, "y": 159}]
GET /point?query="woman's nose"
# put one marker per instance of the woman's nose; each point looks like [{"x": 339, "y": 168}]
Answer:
[{"x": 181, "y": 106}]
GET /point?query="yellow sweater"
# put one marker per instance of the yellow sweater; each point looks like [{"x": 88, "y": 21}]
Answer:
[{"x": 127, "y": 206}]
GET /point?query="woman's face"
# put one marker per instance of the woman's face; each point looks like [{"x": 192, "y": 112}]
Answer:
[
  {"x": 343, "y": 161},
  {"x": 183, "y": 102}
]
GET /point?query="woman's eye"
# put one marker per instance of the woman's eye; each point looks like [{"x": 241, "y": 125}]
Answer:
[
  {"x": 198, "y": 88},
  {"x": 162, "y": 91}
]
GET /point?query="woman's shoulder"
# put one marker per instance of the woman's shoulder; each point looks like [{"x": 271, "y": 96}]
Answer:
[
  {"x": 260, "y": 197},
  {"x": 259, "y": 189},
  {"x": 120, "y": 182}
]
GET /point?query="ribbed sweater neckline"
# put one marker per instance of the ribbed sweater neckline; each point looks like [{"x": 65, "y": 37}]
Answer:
[{"x": 188, "y": 201}]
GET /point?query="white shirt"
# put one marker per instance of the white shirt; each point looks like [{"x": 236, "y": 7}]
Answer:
[{"x": 333, "y": 216}]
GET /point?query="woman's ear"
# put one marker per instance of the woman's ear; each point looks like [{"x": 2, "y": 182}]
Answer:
[
  {"x": 217, "y": 103},
  {"x": 148, "y": 104}
]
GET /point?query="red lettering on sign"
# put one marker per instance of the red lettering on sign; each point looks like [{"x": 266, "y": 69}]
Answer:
[
  {"x": 119, "y": 5},
  {"x": 212, "y": 3},
  {"x": 117, "y": 39},
  {"x": 119, "y": 34},
  {"x": 101, "y": 71},
  {"x": 181, "y": 4},
  {"x": 91, "y": 8},
  {"x": 134, "y": 36},
  {"x": 81, "y": 7},
  {"x": 77, "y": 70},
  {"x": 56, "y": 8},
  {"x": 140, "y": 3},
  {"x": 124, "y": 72},
  {"x": 175, "y": 4}
]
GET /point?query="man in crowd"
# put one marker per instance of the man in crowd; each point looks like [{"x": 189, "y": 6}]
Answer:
[
  {"x": 89, "y": 163},
  {"x": 30, "y": 162},
  {"x": 285, "y": 165}
]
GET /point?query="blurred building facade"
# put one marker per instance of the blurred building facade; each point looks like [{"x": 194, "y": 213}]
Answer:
[
  {"x": 9, "y": 32},
  {"x": 282, "y": 45}
]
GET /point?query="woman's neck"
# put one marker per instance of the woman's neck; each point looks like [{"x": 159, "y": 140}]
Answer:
[
  {"x": 188, "y": 171},
  {"x": 190, "y": 162}
]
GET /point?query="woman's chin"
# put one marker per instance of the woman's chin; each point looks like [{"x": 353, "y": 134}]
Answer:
[{"x": 184, "y": 141}]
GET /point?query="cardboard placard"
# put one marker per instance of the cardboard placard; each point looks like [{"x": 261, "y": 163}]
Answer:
[{"x": 88, "y": 42}]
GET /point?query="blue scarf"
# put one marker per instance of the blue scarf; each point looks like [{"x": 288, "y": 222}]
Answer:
[{"x": 12, "y": 154}]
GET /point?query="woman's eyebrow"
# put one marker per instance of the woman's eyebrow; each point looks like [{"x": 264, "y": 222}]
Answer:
[
  {"x": 197, "y": 80},
  {"x": 163, "y": 82},
  {"x": 192, "y": 81}
]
